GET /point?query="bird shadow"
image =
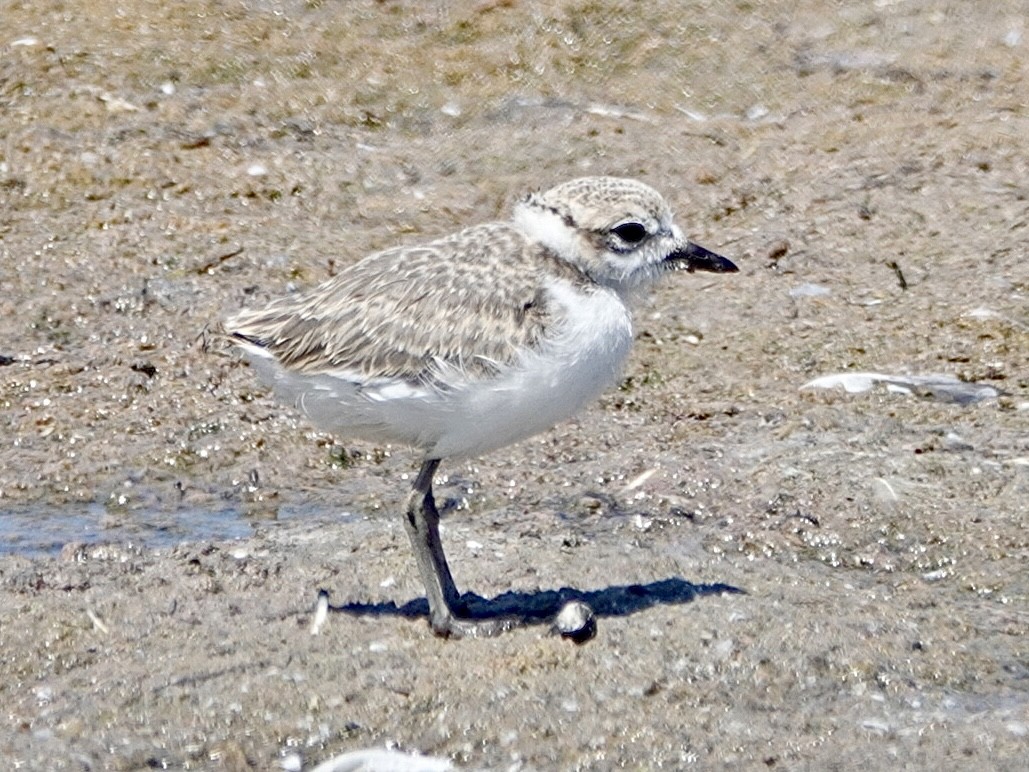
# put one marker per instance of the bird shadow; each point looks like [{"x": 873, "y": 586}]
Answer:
[{"x": 542, "y": 605}]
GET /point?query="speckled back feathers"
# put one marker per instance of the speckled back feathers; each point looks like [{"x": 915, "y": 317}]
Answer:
[{"x": 470, "y": 300}]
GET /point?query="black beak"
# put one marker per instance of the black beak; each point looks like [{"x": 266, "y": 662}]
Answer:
[{"x": 694, "y": 257}]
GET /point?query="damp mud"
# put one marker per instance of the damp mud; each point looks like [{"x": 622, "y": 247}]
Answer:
[{"x": 783, "y": 577}]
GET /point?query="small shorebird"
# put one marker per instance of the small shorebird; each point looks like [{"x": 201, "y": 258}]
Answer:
[{"x": 474, "y": 341}]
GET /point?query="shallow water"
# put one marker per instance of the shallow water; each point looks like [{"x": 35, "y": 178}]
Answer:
[{"x": 41, "y": 530}]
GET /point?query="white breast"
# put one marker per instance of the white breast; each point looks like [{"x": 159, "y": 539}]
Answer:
[{"x": 579, "y": 359}]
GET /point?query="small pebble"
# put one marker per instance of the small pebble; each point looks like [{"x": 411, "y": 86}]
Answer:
[
  {"x": 576, "y": 621},
  {"x": 809, "y": 290},
  {"x": 756, "y": 112}
]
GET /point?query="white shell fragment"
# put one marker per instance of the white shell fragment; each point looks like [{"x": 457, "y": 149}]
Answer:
[
  {"x": 809, "y": 290},
  {"x": 321, "y": 612},
  {"x": 945, "y": 388},
  {"x": 576, "y": 621},
  {"x": 383, "y": 760}
]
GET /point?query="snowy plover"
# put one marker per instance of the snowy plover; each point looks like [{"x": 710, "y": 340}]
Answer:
[{"x": 473, "y": 341}]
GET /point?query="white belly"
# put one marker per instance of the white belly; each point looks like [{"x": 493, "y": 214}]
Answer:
[{"x": 576, "y": 362}]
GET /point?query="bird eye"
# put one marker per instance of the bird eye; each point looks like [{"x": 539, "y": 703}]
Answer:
[{"x": 630, "y": 232}]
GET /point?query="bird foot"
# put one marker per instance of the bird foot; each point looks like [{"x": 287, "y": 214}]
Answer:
[{"x": 450, "y": 626}]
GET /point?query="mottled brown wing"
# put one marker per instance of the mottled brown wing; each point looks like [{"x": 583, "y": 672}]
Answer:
[{"x": 468, "y": 301}]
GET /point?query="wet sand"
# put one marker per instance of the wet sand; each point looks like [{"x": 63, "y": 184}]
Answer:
[{"x": 784, "y": 577}]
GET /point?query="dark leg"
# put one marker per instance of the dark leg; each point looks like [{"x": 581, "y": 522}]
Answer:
[{"x": 422, "y": 522}]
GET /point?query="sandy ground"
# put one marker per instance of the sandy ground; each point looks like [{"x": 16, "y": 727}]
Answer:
[{"x": 785, "y": 578}]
